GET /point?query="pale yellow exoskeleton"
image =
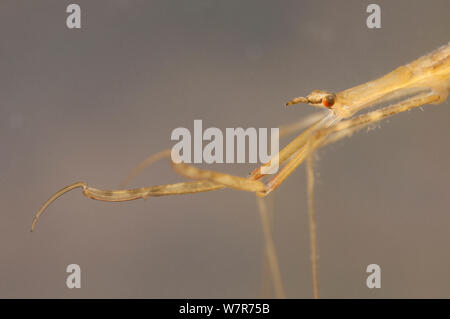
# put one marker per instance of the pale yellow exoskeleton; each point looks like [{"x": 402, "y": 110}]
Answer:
[{"x": 423, "y": 81}]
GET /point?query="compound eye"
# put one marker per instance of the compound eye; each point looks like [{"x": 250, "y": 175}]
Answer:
[{"x": 329, "y": 100}]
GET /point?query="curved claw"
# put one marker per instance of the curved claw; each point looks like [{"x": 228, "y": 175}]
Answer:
[{"x": 55, "y": 197}]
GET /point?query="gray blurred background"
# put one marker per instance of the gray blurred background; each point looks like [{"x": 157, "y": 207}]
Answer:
[{"x": 90, "y": 104}]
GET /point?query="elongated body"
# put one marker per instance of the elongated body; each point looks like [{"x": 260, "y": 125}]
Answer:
[{"x": 430, "y": 72}]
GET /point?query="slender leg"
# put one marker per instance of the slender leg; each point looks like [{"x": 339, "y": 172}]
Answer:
[
  {"x": 144, "y": 164},
  {"x": 267, "y": 286},
  {"x": 312, "y": 223},
  {"x": 266, "y": 280},
  {"x": 131, "y": 194},
  {"x": 271, "y": 250},
  {"x": 233, "y": 181},
  {"x": 289, "y": 129}
]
